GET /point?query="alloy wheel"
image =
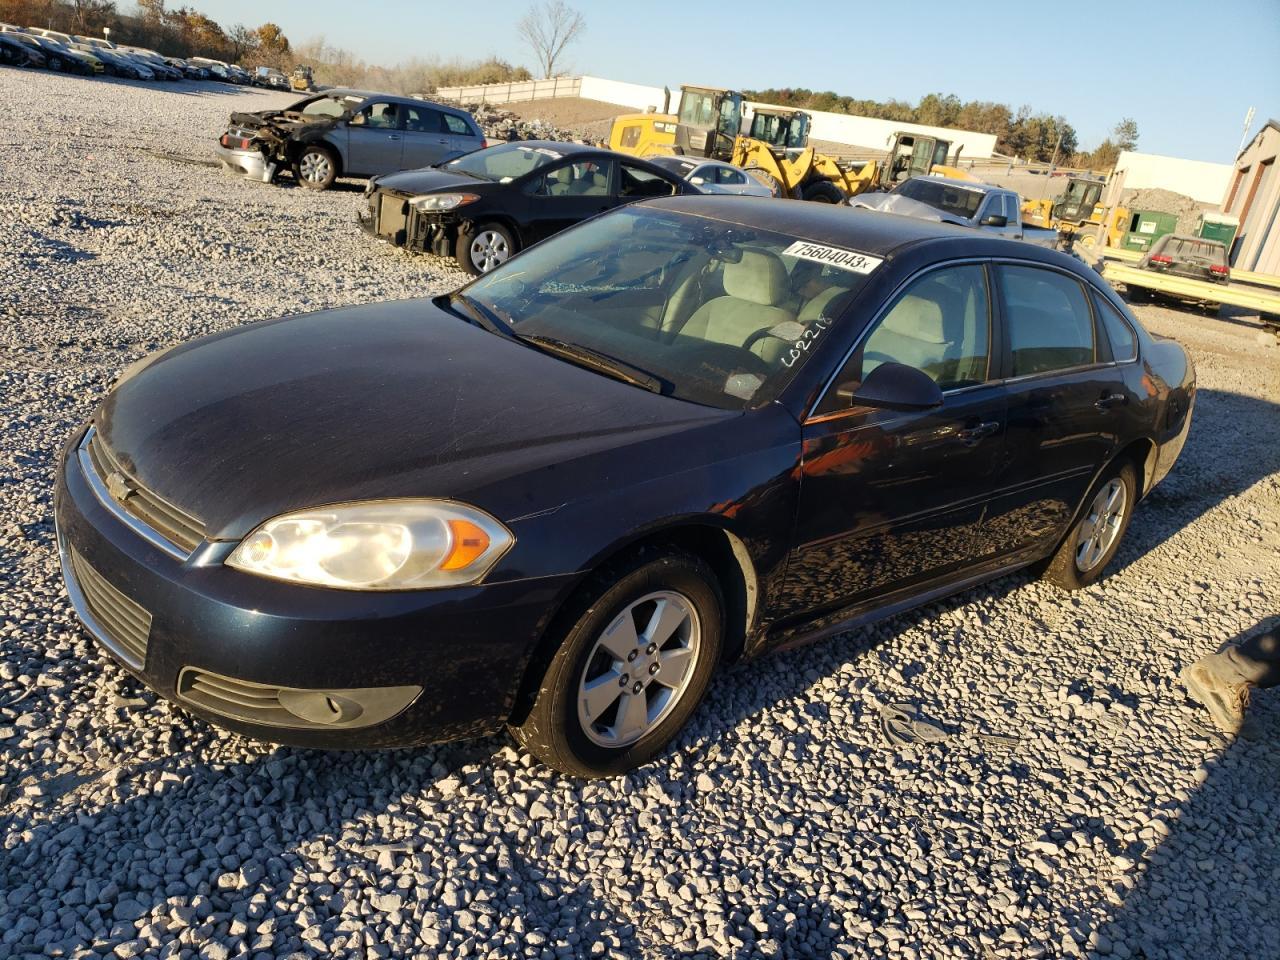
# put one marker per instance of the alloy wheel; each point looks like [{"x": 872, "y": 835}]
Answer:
[
  {"x": 639, "y": 669},
  {"x": 489, "y": 249},
  {"x": 315, "y": 167},
  {"x": 1101, "y": 525}
]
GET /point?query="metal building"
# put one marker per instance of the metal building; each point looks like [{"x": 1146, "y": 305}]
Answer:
[{"x": 1253, "y": 195}]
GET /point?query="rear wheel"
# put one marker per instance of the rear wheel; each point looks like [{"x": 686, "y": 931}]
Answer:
[
  {"x": 316, "y": 167},
  {"x": 823, "y": 191},
  {"x": 631, "y": 668},
  {"x": 1095, "y": 537},
  {"x": 484, "y": 247}
]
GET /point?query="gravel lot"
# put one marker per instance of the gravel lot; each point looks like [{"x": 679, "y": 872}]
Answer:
[{"x": 1079, "y": 805}]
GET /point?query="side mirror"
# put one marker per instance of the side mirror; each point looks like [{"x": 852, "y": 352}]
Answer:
[
  {"x": 893, "y": 386},
  {"x": 995, "y": 220},
  {"x": 697, "y": 181}
]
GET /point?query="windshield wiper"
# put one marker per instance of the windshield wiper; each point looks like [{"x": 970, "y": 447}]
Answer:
[{"x": 594, "y": 360}]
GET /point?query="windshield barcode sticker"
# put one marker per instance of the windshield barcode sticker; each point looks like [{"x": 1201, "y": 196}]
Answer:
[{"x": 832, "y": 256}]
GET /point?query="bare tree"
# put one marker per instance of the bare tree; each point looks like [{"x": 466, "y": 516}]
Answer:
[{"x": 548, "y": 28}]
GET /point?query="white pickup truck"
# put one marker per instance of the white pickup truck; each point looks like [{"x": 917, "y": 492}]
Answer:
[{"x": 966, "y": 203}]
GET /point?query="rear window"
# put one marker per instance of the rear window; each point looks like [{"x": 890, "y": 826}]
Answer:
[{"x": 1184, "y": 249}]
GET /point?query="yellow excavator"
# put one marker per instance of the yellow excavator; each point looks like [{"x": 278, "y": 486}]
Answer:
[
  {"x": 775, "y": 150},
  {"x": 1076, "y": 213}
]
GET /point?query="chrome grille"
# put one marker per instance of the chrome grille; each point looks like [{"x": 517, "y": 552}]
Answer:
[
  {"x": 126, "y": 624},
  {"x": 172, "y": 524}
]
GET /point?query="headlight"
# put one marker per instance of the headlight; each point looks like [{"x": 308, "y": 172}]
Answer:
[
  {"x": 443, "y": 201},
  {"x": 376, "y": 545}
]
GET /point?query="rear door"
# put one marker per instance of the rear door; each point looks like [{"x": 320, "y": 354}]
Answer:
[
  {"x": 463, "y": 137},
  {"x": 375, "y": 141},
  {"x": 891, "y": 499},
  {"x": 425, "y": 139},
  {"x": 1067, "y": 401}
]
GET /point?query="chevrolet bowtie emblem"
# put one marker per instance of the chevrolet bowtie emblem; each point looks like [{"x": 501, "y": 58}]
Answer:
[{"x": 118, "y": 485}]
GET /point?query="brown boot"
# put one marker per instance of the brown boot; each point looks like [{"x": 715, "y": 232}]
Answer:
[{"x": 1224, "y": 697}]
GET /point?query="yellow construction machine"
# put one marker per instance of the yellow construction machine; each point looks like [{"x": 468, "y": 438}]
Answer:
[
  {"x": 775, "y": 150},
  {"x": 1077, "y": 212}
]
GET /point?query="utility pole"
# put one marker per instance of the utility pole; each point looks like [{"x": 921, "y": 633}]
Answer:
[{"x": 1248, "y": 122}]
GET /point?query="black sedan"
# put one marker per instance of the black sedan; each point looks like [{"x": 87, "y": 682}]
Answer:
[
  {"x": 686, "y": 432},
  {"x": 484, "y": 207}
]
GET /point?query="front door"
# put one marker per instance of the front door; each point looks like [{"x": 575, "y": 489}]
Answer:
[
  {"x": 890, "y": 499},
  {"x": 375, "y": 141},
  {"x": 568, "y": 193},
  {"x": 1065, "y": 404}
]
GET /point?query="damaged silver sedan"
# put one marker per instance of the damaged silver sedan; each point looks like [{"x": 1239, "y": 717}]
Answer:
[{"x": 346, "y": 133}]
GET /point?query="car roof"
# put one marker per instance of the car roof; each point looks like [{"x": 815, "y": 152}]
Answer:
[
  {"x": 868, "y": 231},
  {"x": 390, "y": 97},
  {"x": 956, "y": 182}
]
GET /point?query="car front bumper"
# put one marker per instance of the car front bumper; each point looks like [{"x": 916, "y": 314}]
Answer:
[
  {"x": 392, "y": 219},
  {"x": 305, "y": 666},
  {"x": 249, "y": 163}
]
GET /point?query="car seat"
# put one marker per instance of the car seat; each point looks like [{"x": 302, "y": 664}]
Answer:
[
  {"x": 913, "y": 333},
  {"x": 756, "y": 289}
]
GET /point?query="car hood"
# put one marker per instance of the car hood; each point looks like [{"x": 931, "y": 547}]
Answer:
[
  {"x": 399, "y": 399},
  {"x": 432, "y": 180}
]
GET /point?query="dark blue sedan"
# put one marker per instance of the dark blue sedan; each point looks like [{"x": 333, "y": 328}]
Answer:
[{"x": 685, "y": 432}]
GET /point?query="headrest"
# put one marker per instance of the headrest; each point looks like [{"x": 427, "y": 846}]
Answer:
[
  {"x": 758, "y": 277},
  {"x": 917, "y": 317},
  {"x": 817, "y": 307}
]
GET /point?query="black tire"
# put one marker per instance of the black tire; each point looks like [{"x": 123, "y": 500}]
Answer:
[
  {"x": 552, "y": 730},
  {"x": 498, "y": 238},
  {"x": 823, "y": 191},
  {"x": 316, "y": 167},
  {"x": 763, "y": 176},
  {"x": 1065, "y": 569}
]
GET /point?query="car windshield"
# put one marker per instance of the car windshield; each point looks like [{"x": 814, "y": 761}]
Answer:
[
  {"x": 505, "y": 162},
  {"x": 717, "y": 313},
  {"x": 947, "y": 197},
  {"x": 330, "y": 106}
]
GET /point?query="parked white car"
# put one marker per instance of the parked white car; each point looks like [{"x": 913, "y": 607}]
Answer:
[{"x": 713, "y": 176}]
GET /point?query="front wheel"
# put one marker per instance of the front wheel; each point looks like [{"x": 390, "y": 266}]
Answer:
[
  {"x": 823, "y": 191},
  {"x": 632, "y": 667},
  {"x": 485, "y": 247},
  {"x": 316, "y": 168},
  {"x": 1095, "y": 537}
]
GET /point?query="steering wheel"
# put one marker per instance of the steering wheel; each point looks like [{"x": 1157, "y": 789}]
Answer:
[{"x": 763, "y": 332}]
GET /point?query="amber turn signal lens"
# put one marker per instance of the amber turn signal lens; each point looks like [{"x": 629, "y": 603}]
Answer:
[{"x": 469, "y": 542}]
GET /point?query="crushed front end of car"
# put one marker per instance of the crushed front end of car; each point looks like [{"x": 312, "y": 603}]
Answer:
[
  {"x": 393, "y": 217},
  {"x": 259, "y": 145}
]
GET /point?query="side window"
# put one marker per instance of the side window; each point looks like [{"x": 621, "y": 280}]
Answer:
[
  {"x": 421, "y": 119},
  {"x": 456, "y": 125},
  {"x": 378, "y": 116},
  {"x": 994, "y": 207},
  {"x": 730, "y": 177},
  {"x": 1048, "y": 319},
  {"x": 635, "y": 183},
  {"x": 1011, "y": 211},
  {"x": 941, "y": 324},
  {"x": 589, "y": 178},
  {"x": 1124, "y": 345}
]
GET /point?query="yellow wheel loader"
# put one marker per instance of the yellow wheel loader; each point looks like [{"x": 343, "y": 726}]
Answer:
[
  {"x": 775, "y": 149},
  {"x": 1076, "y": 213}
]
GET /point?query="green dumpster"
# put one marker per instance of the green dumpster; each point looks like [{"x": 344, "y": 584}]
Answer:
[
  {"x": 1145, "y": 226},
  {"x": 1218, "y": 226}
]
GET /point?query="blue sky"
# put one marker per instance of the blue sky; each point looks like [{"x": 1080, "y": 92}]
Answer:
[{"x": 1186, "y": 70}]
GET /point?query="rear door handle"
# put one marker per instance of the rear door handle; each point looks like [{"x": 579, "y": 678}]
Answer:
[
  {"x": 972, "y": 435},
  {"x": 393, "y": 136},
  {"x": 1109, "y": 400}
]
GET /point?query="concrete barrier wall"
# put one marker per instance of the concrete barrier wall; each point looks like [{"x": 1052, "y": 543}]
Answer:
[
  {"x": 514, "y": 92},
  {"x": 1200, "y": 180}
]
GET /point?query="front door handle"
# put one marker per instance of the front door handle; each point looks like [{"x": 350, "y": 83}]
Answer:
[
  {"x": 393, "y": 136},
  {"x": 1109, "y": 400},
  {"x": 443, "y": 141},
  {"x": 974, "y": 434}
]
